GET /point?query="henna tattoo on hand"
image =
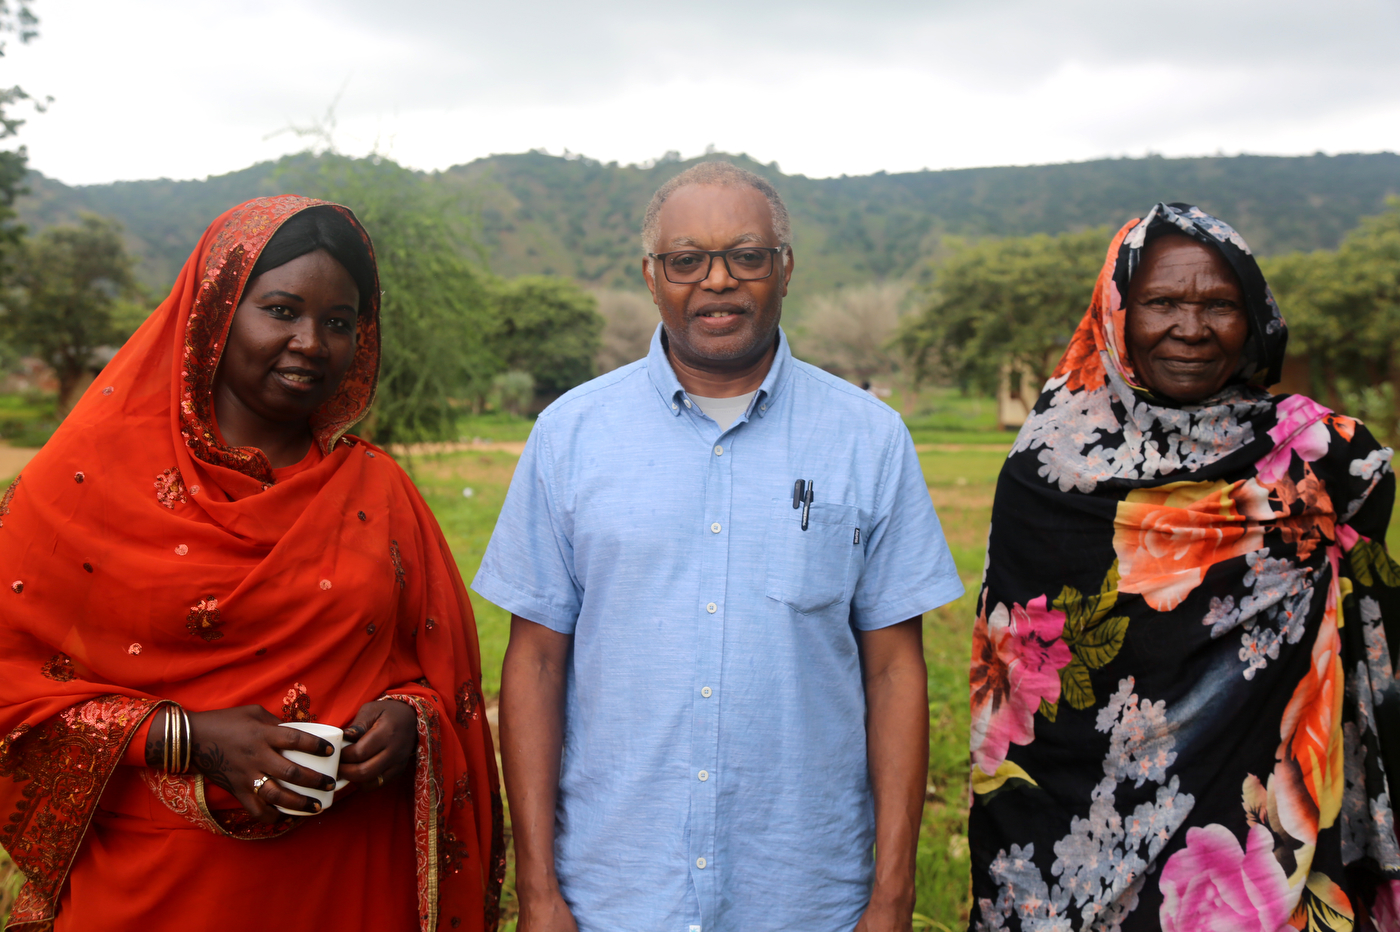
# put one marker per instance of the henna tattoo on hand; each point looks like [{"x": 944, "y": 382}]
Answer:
[
  {"x": 210, "y": 762},
  {"x": 155, "y": 744}
]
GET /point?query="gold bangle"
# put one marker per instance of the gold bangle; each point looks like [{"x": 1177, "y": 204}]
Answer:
[
  {"x": 173, "y": 716},
  {"x": 188, "y": 743},
  {"x": 165, "y": 745}
]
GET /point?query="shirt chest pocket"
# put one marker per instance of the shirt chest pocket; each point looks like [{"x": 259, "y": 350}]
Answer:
[{"x": 813, "y": 569}]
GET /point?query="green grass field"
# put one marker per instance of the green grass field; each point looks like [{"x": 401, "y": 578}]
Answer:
[{"x": 27, "y": 420}]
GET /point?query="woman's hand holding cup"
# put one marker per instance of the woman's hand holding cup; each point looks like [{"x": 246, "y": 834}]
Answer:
[
  {"x": 380, "y": 743},
  {"x": 236, "y": 748}
]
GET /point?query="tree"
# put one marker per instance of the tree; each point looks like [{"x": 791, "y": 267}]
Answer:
[
  {"x": 1005, "y": 303},
  {"x": 16, "y": 19},
  {"x": 548, "y": 327},
  {"x": 1343, "y": 313},
  {"x": 849, "y": 331},
  {"x": 629, "y": 320},
  {"x": 436, "y": 307},
  {"x": 70, "y": 281}
]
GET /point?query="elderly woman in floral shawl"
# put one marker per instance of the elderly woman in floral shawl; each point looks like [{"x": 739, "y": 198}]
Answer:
[{"x": 1183, "y": 711}]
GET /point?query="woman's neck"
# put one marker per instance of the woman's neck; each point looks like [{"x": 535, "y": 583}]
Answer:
[{"x": 283, "y": 444}]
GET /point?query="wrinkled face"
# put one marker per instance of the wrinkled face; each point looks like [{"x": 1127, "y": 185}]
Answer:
[
  {"x": 720, "y": 322},
  {"x": 292, "y": 339},
  {"x": 1186, "y": 323}
]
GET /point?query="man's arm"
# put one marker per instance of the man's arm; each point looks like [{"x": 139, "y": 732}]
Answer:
[
  {"x": 896, "y": 703},
  {"x": 532, "y": 739}
]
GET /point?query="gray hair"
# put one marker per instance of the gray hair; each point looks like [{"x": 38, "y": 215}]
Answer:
[{"x": 718, "y": 173}]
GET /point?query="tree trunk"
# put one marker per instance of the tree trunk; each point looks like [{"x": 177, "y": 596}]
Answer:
[{"x": 68, "y": 378}]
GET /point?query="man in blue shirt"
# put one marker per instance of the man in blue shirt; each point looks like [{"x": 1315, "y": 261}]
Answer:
[{"x": 714, "y": 709}]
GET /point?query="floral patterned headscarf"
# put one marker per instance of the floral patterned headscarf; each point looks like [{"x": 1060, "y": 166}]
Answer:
[{"x": 1181, "y": 671}]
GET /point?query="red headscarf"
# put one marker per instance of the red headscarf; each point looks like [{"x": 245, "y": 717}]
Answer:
[{"x": 144, "y": 560}]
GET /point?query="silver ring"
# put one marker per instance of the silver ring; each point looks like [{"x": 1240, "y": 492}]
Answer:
[{"x": 257, "y": 784}]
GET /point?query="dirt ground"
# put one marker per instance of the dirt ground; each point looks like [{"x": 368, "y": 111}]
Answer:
[{"x": 13, "y": 459}]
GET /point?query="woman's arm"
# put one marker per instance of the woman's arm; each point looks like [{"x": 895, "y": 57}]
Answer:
[{"x": 233, "y": 748}]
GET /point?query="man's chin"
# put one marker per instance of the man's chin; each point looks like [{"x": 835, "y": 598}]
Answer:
[{"x": 722, "y": 347}]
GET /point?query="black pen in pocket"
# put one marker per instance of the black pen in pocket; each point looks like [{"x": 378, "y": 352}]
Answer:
[{"x": 807, "y": 505}]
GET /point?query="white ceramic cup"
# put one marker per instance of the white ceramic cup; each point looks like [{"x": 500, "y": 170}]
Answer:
[{"x": 330, "y": 766}]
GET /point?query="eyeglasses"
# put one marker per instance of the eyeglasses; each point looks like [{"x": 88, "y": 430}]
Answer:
[{"x": 744, "y": 263}]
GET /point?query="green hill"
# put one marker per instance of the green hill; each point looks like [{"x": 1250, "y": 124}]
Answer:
[{"x": 580, "y": 218}]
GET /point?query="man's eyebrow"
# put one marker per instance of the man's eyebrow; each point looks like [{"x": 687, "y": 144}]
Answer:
[{"x": 687, "y": 242}]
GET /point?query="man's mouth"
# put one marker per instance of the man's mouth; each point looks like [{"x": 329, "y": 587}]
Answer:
[{"x": 719, "y": 314}]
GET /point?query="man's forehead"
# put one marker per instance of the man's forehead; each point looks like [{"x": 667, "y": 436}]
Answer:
[{"x": 715, "y": 216}]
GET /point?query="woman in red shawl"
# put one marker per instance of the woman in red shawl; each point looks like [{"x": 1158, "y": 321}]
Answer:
[{"x": 201, "y": 553}]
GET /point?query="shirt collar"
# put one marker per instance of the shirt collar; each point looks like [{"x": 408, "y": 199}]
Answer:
[{"x": 669, "y": 387}]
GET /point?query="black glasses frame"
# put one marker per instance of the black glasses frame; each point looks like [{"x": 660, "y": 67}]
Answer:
[{"x": 773, "y": 252}]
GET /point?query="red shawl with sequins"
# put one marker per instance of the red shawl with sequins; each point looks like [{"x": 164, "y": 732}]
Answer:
[{"x": 144, "y": 561}]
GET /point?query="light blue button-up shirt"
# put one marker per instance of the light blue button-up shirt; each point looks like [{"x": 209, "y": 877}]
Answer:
[{"x": 714, "y": 769}]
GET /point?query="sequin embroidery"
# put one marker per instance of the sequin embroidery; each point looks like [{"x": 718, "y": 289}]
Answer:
[
  {"x": 7, "y": 498},
  {"x": 59, "y": 668},
  {"x": 296, "y": 705},
  {"x": 397, "y": 559},
  {"x": 204, "y": 619},
  {"x": 468, "y": 700},
  {"x": 170, "y": 488}
]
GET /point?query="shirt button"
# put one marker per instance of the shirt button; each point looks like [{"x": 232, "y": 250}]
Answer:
[
  {"x": 675, "y": 407},
  {"x": 705, "y": 692},
  {"x": 703, "y": 775},
  {"x": 719, "y": 450},
  {"x": 715, "y": 527},
  {"x": 700, "y": 863},
  {"x": 712, "y": 608},
  {"x": 763, "y": 407},
  {"x": 687, "y": 402}
]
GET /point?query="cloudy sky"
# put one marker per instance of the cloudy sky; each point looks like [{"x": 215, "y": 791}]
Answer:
[{"x": 180, "y": 89}]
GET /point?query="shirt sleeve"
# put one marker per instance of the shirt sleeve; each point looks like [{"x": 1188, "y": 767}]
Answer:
[
  {"x": 528, "y": 568},
  {"x": 908, "y": 567}
]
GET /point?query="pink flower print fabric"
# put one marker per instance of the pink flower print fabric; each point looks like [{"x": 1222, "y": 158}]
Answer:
[
  {"x": 1300, "y": 430},
  {"x": 1017, "y": 656},
  {"x": 1214, "y": 884}
]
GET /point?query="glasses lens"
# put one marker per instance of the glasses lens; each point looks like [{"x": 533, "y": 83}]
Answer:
[
  {"x": 685, "y": 267},
  {"x": 747, "y": 263}
]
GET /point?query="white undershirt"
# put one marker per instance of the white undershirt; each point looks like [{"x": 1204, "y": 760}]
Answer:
[{"x": 724, "y": 411}]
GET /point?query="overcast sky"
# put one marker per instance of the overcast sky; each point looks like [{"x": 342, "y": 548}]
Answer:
[{"x": 181, "y": 89}]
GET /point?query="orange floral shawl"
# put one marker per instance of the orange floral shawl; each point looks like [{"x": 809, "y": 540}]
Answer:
[{"x": 144, "y": 561}]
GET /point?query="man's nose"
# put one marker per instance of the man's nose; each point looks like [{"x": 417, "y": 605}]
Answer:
[{"x": 719, "y": 278}]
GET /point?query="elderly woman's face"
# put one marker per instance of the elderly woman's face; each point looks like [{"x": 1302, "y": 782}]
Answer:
[
  {"x": 1186, "y": 325},
  {"x": 292, "y": 340}
]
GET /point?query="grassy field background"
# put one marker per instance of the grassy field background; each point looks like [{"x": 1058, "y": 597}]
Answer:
[{"x": 961, "y": 453}]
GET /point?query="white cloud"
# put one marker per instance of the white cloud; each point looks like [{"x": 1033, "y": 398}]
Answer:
[{"x": 154, "y": 88}]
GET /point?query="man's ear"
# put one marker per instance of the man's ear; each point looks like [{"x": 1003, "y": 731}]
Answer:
[
  {"x": 787, "y": 269},
  {"x": 649, "y": 276}
]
